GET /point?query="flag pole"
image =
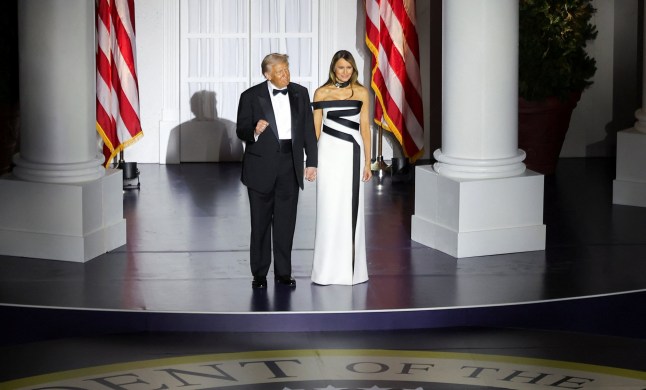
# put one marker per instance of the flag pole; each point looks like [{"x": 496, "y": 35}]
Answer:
[
  {"x": 396, "y": 80},
  {"x": 117, "y": 73},
  {"x": 379, "y": 166}
]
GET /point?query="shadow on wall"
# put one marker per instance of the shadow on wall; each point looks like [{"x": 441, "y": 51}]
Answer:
[{"x": 205, "y": 138}]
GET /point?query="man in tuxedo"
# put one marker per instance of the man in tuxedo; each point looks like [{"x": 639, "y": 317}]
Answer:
[{"x": 275, "y": 121}]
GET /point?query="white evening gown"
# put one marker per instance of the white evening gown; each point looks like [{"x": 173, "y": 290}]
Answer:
[{"x": 340, "y": 242}]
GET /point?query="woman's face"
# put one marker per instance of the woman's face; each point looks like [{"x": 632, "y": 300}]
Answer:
[{"x": 343, "y": 70}]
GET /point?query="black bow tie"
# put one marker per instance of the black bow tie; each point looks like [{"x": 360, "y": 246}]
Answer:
[{"x": 277, "y": 91}]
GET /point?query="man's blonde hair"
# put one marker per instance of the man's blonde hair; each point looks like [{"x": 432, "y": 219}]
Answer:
[{"x": 272, "y": 59}]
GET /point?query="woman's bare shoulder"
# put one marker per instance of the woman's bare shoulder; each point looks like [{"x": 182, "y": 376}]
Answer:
[
  {"x": 322, "y": 93},
  {"x": 360, "y": 89},
  {"x": 361, "y": 93}
]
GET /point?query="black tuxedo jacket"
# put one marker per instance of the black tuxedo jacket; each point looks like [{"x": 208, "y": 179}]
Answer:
[{"x": 260, "y": 161}]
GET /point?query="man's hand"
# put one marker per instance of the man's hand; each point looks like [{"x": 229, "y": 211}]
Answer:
[
  {"x": 310, "y": 173},
  {"x": 261, "y": 126}
]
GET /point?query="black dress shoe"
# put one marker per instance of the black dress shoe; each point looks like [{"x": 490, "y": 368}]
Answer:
[
  {"x": 259, "y": 282},
  {"x": 286, "y": 281}
]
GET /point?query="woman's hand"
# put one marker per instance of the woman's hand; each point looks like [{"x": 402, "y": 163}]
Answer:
[{"x": 367, "y": 173}]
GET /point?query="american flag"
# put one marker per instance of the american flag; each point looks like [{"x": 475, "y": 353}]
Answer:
[
  {"x": 391, "y": 36},
  {"x": 117, "y": 91}
]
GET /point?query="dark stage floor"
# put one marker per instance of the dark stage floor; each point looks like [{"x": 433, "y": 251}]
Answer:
[
  {"x": 185, "y": 269},
  {"x": 188, "y": 240}
]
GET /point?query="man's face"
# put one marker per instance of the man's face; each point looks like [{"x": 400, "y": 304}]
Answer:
[{"x": 279, "y": 75}]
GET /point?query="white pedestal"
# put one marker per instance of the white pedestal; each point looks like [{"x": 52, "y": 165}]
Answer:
[
  {"x": 629, "y": 187},
  {"x": 71, "y": 222},
  {"x": 466, "y": 218}
]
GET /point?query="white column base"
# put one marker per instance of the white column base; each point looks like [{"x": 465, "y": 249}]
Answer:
[
  {"x": 69, "y": 222},
  {"x": 467, "y": 218},
  {"x": 629, "y": 187}
]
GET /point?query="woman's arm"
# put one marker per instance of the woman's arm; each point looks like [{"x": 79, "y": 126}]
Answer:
[{"x": 364, "y": 126}]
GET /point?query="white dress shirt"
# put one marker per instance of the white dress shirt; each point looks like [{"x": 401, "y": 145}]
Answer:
[{"x": 282, "y": 112}]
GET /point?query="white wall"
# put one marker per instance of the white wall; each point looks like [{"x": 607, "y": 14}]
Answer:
[
  {"x": 609, "y": 103},
  {"x": 589, "y": 121},
  {"x": 149, "y": 26},
  {"x": 347, "y": 21},
  {"x": 349, "y": 34},
  {"x": 594, "y": 110}
]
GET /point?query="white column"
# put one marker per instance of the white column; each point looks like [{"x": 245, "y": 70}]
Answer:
[
  {"x": 59, "y": 203},
  {"x": 629, "y": 187},
  {"x": 480, "y": 91},
  {"x": 57, "y": 80},
  {"x": 478, "y": 199}
]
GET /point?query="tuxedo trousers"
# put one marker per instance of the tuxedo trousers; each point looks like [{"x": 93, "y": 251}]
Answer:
[{"x": 273, "y": 220}]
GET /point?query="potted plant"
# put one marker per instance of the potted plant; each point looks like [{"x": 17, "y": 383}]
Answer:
[{"x": 553, "y": 71}]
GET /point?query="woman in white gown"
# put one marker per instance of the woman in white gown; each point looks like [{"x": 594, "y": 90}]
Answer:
[{"x": 342, "y": 127}]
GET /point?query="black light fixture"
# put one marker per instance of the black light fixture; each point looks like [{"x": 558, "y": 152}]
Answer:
[{"x": 130, "y": 174}]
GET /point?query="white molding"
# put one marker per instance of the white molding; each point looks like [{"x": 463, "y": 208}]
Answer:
[
  {"x": 170, "y": 90},
  {"x": 328, "y": 44}
]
